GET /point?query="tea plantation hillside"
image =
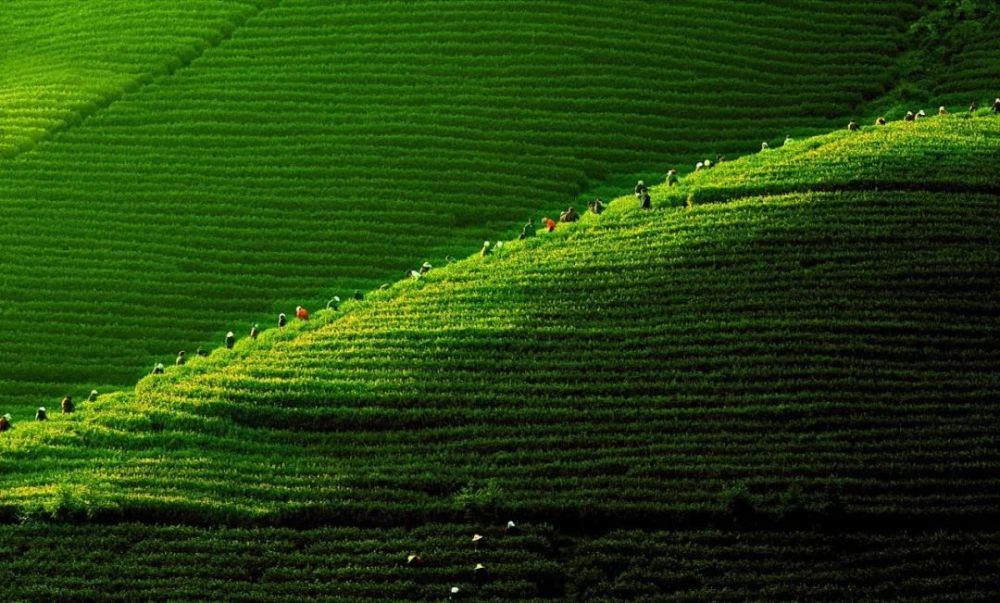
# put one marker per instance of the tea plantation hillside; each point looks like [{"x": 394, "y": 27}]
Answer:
[
  {"x": 785, "y": 395},
  {"x": 261, "y": 155}
]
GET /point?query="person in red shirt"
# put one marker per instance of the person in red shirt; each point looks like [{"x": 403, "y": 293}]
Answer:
[
  {"x": 550, "y": 224},
  {"x": 4, "y": 423},
  {"x": 301, "y": 313}
]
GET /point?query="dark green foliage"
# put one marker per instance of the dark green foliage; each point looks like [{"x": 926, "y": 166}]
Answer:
[
  {"x": 768, "y": 566},
  {"x": 953, "y": 50}
]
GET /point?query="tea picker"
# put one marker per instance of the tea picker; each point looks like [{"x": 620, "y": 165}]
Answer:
[
  {"x": 528, "y": 231},
  {"x": 640, "y": 189}
]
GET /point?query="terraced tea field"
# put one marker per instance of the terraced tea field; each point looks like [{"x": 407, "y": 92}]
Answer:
[
  {"x": 772, "y": 388},
  {"x": 779, "y": 383},
  {"x": 777, "y": 397},
  {"x": 954, "y": 51},
  {"x": 274, "y": 154},
  {"x": 757, "y": 353},
  {"x": 955, "y": 153},
  {"x": 722, "y": 566},
  {"x": 63, "y": 61},
  {"x": 130, "y": 562}
]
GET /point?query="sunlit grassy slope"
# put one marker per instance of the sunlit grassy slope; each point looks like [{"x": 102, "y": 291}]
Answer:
[
  {"x": 312, "y": 148},
  {"x": 818, "y": 363}
]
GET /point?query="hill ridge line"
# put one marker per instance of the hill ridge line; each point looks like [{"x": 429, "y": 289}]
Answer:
[
  {"x": 699, "y": 195},
  {"x": 149, "y": 384}
]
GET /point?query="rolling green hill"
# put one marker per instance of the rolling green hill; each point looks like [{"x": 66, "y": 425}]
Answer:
[
  {"x": 813, "y": 366},
  {"x": 201, "y": 167}
]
